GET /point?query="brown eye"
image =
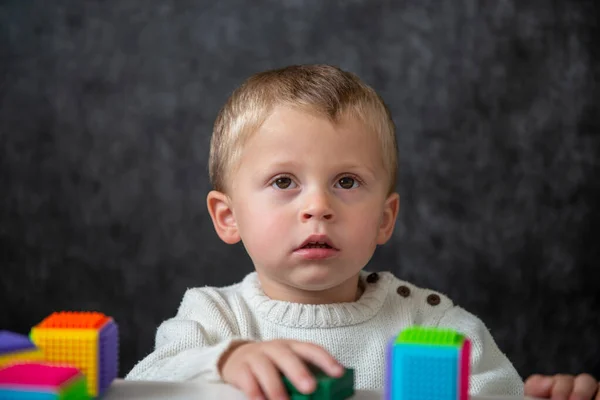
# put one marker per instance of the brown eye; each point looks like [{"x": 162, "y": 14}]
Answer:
[
  {"x": 282, "y": 183},
  {"x": 347, "y": 182}
]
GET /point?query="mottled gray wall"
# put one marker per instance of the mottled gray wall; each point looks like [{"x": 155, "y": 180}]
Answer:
[{"x": 106, "y": 109}]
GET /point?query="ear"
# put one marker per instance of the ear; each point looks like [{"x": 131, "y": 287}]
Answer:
[
  {"x": 388, "y": 218},
  {"x": 221, "y": 213}
]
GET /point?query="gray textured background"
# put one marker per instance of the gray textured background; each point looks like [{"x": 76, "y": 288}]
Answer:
[{"x": 106, "y": 109}]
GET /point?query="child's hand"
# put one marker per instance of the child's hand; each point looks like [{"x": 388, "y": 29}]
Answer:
[
  {"x": 562, "y": 387},
  {"x": 256, "y": 367}
]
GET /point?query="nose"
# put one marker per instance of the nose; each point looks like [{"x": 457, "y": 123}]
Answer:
[{"x": 317, "y": 206}]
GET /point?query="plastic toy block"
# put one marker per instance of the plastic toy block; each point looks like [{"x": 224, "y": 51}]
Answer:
[
  {"x": 33, "y": 381},
  {"x": 11, "y": 341},
  {"x": 74, "y": 320},
  {"x": 88, "y": 341},
  {"x": 420, "y": 335},
  {"x": 428, "y": 364},
  {"x": 328, "y": 388},
  {"x": 16, "y": 348}
]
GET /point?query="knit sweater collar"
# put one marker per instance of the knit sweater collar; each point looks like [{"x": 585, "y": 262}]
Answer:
[{"x": 316, "y": 315}]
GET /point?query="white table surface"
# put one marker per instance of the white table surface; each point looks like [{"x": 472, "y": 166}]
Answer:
[{"x": 137, "y": 390}]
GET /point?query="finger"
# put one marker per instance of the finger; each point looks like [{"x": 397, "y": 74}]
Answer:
[
  {"x": 247, "y": 383},
  {"x": 539, "y": 386},
  {"x": 584, "y": 387},
  {"x": 268, "y": 377},
  {"x": 563, "y": 386},
  {"x": 598, "y": 391},
  {"x": 318, "y": 356},
  {"x": 292, "y": 366}
]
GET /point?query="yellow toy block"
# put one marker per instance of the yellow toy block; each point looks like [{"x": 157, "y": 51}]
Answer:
[{"x": 85, "y": 340}]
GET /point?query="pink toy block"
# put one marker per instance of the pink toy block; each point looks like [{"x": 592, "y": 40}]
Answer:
[{"x": 23, "y": 381}]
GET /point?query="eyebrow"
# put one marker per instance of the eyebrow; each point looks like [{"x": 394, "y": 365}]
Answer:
[
  {"x": 356, "y": 166},
  {"x": 282, "y": 164},
  {"x": 343, "y": 167}
]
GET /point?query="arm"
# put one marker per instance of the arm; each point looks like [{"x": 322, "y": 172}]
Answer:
[
  {"x": 190, "y": 345},
  {"x": 491, "y": 371}
]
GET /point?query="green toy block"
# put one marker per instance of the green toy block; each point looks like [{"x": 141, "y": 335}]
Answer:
[
  {"x": 328, "y": 388},
  {"x": 430, "y": 336}
]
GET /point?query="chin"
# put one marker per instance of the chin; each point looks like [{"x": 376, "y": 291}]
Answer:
[{"x": 316, "y": 279}]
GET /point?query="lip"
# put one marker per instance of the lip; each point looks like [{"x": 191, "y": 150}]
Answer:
[
  {"x": 318, "y": 238},
  {"x": 317, "y": 253}
]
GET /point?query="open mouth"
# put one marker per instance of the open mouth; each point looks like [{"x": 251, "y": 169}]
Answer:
[
  {"x": 316, "y": 245},
  {"x": 317, "y": 242}
]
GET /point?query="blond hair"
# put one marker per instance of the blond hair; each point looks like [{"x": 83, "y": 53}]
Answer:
[{"x": 322, "y": 89}]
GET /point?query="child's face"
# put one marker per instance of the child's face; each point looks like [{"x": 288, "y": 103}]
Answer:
[{"x": 304, "y": 179}]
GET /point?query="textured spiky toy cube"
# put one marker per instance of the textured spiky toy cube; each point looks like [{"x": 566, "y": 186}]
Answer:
[
  {"x": 328, "y": 388},
  {"x": 88, "y": 341},
  {"x": 32, "y": 381},
  {"x": 17, "y": 348},
  {"x": 428, "y": 364}
]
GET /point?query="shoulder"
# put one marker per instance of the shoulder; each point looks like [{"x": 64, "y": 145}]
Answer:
[
  {"x": 431, "y": 307},
  {"x": 424, "y": 305},
  {"x": 421, "y": 294},
  {"x": 207, "y": 298},
  {"x": 401, "y": 289},
  {"x": 205, "y": 315}
]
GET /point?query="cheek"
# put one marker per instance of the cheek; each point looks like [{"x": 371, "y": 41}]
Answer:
[
  {"x": 366, "y": 226},
  {"x": 262, "y": 227}
]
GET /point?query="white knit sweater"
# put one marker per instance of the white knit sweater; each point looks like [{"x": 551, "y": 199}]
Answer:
[{"x": 189, "y": 345}]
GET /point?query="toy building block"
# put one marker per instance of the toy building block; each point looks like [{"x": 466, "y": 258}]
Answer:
[
  {"x": 31, "y": 381},
  {"x": 327, "y": 388},
  {"x": 428, "y": 364},
  {"x": 16, "y": 348},
  {"x": 88, "y": 341}
]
